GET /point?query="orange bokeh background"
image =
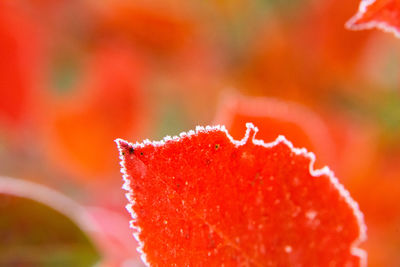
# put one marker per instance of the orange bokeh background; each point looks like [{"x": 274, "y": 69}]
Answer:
[{"x": 75, "y": 75}]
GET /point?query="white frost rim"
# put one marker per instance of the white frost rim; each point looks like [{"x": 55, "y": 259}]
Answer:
[
  {"x": 351, "y": 24},
  {"x": 250, "y": 132},
  {"x": 288, "y": 111}
]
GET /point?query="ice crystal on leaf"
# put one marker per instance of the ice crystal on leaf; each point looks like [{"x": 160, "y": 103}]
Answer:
[{"x": 205, "y": 199}]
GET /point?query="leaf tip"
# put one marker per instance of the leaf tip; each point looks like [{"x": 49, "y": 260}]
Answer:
[{"x": 124, "y": 147}]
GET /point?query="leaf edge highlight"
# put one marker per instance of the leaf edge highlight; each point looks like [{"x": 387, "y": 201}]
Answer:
[{"x": 352, "y": 24}]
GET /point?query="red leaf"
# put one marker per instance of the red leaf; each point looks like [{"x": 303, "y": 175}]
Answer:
[
  {"x": 206, "y": 198},
  {"x": 380, "y": 14}
]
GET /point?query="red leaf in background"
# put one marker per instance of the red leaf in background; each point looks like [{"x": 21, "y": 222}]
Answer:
[
  {"x": 19, "y": 63},
  {"x": 115, "y": 237},
  {"x": 275, "y": 117},
  {"x": 204, "y": 198},
  {"x": 333, "y": 51},
  {"x": 160, "y": 26},
  {"x": 109, "y": 94},
  {"x": 314, "y": 44},
  {"x": 380, "y": 14}
]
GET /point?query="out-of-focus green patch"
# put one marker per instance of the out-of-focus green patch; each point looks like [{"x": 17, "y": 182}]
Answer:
[
  {"x": 33, "y": 234},
  {"x": 388, "y": 114},
  {"x": 391, "y": 69},
  {"x": 173, "y": 119},
  {"x": 65, "y": 75},
  {"x": 382, "y": 109},
  {"x": 288, "y": 5}
]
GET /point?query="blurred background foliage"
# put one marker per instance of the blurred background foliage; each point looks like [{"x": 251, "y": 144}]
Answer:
[
  {"x": 38, "y": 235},
  {"x": 75, "y": 75}
]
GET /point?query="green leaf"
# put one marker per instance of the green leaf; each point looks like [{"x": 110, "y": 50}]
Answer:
[{"x": 33, "y": 233}]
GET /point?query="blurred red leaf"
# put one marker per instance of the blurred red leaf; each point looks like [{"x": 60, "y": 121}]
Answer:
[
  {"x": 159, "y": 26},
  {"x": 206, "y": 198},
  {"x": 115, "y": 238},
  {"x": 108, "y": 95},
  {"x": 334, "y": 51},
  {"x": 314, "y": 49},
  {"x": 19, "y": 63},
  {"x": 378, "y": 193},
  {"x": 380, "y": 14}
]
